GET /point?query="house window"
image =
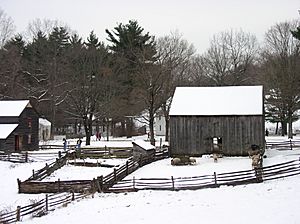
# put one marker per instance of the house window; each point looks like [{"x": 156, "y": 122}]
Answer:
[
  {"x": 160, "y": 127},
  {"x": 29, "y": 121},
  {"x": 29, "y": 139}
]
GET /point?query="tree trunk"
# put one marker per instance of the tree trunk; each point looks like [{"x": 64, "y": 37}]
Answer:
[
  {"x": 129, "y": 127},
  {"x": 75, "y": 127},
  {"x": 283, "y": 128},
  {"x": 151, "y": 126},
  {"x": 88, "y": 129},
  {"x": 167, "y": 128},
  {"x": 107, "y": 129},
  {"x": 290, "y": 131}
]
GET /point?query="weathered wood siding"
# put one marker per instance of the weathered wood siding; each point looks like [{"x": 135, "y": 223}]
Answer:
[
  {"x": 192, "y": 135},
  {"x": 23, "y": 130}
]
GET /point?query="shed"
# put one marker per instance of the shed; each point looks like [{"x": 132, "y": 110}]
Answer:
[
  {"x": 18, "y": 126},
  {"x": 142, "y": 149},
  {"x": 44, "y": 129},
  {"x": 204, "y": 120}
]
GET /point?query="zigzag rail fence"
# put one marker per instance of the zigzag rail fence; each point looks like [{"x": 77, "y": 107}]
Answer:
[
  {"x": 214, "y": 180},
  {"x": 40, "y": 207},
  {"x": 29, "y": 156},
  {"x": 114, "y": 182}
]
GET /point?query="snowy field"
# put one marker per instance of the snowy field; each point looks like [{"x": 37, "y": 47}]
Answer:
[{"x": 269, "y": 202}]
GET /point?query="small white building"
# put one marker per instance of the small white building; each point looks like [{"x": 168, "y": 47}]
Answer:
[
  {"x": 44, "y": 129},
  {"x": 160, "y": 124}
]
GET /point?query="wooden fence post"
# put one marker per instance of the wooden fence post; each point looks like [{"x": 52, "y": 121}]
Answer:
[
  {"x": 115, "y": 174},
  {"x": 94, "y": 185},
  {"x": 97, "y": 182},
  {"x": 18, "y": 213},
  {"x": 133, "y": 182},
  {"x": 46, "y": 202},
  {"x": 47, "y": 168},
  {"x": 58, "y": 182},
  {"x": 215, "y": 178},
  {"x": 19, "y": 183},
  {"x": 33, "y": 174},
  {"x": 173, "y": 185},
  {"x": 127, "y": 168},
  {"x": 100, "y": 181},
  {"x": 73, "y": 196},
  {"x": 26, "y": 157},
  {"x": 291, "y": 145}
]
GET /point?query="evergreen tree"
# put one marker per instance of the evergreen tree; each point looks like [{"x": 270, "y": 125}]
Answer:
[
  {"x": 131, "y": 48},
  {"x": 296, "y": 33}
]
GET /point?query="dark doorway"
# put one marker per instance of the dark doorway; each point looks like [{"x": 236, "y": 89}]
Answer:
[{"x": 18, "y": 143}]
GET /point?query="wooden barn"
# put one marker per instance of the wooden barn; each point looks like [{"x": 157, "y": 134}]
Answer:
[
  {"x": 228, "y": 120},
  {"x": 19, "y": 126}
]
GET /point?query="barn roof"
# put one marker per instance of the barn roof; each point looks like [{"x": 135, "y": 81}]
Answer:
[
  {"x": 13, "y": 108},
  {"x": 213, "y": 101},
  {"x": 6, "y": 130}
]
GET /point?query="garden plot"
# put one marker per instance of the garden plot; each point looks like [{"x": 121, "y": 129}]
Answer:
[{"x": 81, "y": 172}]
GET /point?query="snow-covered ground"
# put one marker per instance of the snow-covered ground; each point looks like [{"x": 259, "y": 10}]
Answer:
[{"x": 269, "y": 202}]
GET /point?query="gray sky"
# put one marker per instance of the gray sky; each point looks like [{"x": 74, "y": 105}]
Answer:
[{"x": 196, "y": 20}]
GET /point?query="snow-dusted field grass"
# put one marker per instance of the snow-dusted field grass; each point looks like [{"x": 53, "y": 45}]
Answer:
[{"x": 269, "y": 202}]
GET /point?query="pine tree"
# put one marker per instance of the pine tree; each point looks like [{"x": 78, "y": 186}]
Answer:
[
  {"x": 131, "y": 48},
  {"x": 296, "y": 33}
]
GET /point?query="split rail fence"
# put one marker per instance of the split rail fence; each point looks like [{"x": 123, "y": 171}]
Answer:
[
  {"x": 289, "y": 144},
  {"x": 40, "y": 207},
  {"x": 258, "y": 175}
]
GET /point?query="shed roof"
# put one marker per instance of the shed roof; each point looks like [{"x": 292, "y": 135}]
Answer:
[
  {"x": 213, "y": 101},
  {"x": 44, "y": 122},
  {"x": 13, "y": 108},
  {"x": 145, "y": 145},
  {"x": 6, "y": 130}
]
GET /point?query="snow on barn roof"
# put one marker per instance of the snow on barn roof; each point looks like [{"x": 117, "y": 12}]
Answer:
[
  {"x": 12, "y": 108},
  {"x": 6, "y": 129},
  {"x": 145, "y": 145},
  {"x": 227, "y": 100}
]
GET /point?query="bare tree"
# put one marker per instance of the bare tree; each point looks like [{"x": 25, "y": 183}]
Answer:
[
  {"x": 7, "y": 28},
  {"x": 197, "y": 75},
  {"x": 229, "y": 56},
  {"x": 282, "y": 71},
  {"x": 44, "y": 26},
  {"x": 174, "y": 56}
]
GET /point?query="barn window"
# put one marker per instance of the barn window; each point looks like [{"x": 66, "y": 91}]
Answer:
[
  {"x": 29, "y": 121},
  {"x": 217, "y": 144},
  {"x": 29, "y": 139}
]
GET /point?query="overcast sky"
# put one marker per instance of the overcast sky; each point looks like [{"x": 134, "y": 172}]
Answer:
[{"x": 196, "y": 20}]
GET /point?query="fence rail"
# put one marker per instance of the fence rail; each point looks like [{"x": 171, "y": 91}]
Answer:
[
  {"x": 15, "y": 157},
  {"x": 289, "y": 144},
  {"x": 277, "y": 171},
  {"x": 40, "y": 207}
]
